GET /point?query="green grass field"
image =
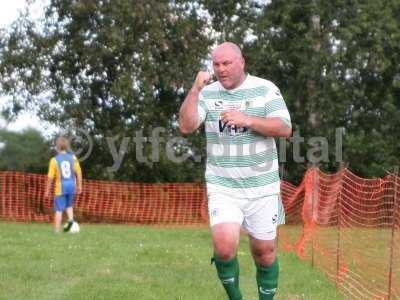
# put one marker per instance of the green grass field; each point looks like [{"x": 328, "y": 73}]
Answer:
[{"x": 132, "y": 262}]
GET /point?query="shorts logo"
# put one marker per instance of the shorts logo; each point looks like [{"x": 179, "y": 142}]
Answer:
[
  {"x": 274, "y": 219},
  {"x": 214, "y": 213}
]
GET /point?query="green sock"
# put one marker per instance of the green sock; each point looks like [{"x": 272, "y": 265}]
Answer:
[
  {"x": 228, "y": 273},
  {"x": 267, "y": 280}
]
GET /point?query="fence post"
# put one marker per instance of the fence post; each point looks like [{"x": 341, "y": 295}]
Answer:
[
  {"x": 395, "y": 205},
  {"x": 3, "y": 194},
  {"x": 343, "y": 166},
  {"x": 315, "y": 168}
]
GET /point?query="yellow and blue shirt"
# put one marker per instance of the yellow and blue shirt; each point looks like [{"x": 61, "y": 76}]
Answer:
[{"x": 63, "y": 168}]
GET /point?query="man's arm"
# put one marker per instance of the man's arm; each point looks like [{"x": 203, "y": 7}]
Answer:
[
  {"x": 276, "y": 122},
  {"x": 272, "y": 127},
  {"x": 188, "y": 113}
]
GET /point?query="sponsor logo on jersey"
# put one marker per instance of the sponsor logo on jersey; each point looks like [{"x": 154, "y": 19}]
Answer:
[
  {"x": 219, "y": 104},
  {"x": 231, "y": 129}
]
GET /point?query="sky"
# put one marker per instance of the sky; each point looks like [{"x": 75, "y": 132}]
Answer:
[{"x": 9, "y": 11}]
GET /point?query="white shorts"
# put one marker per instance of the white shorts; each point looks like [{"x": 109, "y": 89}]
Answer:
[{"x": 259, "y": 217}]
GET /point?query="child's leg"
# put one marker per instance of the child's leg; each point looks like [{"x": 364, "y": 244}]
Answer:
[
  {"x": 70, "y": 213},
  {"x": 59, "y": 206},
  {"x": 70, "y": 204},
  {"x": 57, "y": 221},
  {"x": 69, "y": 210}
]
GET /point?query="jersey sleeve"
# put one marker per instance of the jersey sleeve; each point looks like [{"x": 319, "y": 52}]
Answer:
[
  {"x": 202, "y": 109},
  {"x": 77, "y": 166},
  {"x": 52, "y": 169},
  {"x": 275, "y": 106}
]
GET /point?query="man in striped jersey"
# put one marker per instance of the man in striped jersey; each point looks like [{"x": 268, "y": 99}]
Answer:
[{"x": 242, "y": 115}]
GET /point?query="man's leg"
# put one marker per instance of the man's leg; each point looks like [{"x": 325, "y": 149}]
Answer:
[
  {"x": 261, "y": 220},
  {"x": 226, "y": 242},
  {"x": 264, "y": 254}
]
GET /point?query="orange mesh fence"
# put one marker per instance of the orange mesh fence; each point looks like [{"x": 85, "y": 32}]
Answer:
[
  {"x": 22, "y": 199},
  {"x": 344, "y": 225},
  {"x": 350, "y": 230}
]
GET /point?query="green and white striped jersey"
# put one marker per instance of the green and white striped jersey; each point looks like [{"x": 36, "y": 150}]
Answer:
[{"x": 241, "y": 162}]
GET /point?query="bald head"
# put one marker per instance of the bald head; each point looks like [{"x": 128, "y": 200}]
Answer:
[
  {"x": 227, "y": 47},
  {"x": 228, "y": 64}
]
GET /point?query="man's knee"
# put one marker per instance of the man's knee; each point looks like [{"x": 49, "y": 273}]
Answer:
[
  {"x": 264, "y": 254},
  {"x": 224, "y": 251},
  {"x": 226, "y": 240}
]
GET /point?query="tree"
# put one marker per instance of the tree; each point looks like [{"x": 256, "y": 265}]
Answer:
[
  {"x": 338, "y": 66},
  {"x": 110, "y": 68},
  {"x": 26, "y": 151},
  {"x": 115, "y": 68}
]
